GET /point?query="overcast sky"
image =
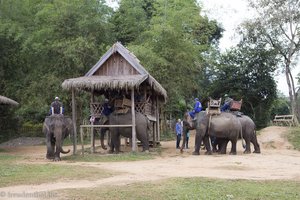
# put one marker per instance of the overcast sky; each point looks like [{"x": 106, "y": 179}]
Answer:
[{"x": 230, "y": 13}]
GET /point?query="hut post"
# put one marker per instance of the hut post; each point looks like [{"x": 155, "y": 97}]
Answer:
[
  {"x": 92, "y": 128},
  {"x": 157, "y": 120},
  {"x": 133, "y": 122},
  {"x": 74, "y": 122}
]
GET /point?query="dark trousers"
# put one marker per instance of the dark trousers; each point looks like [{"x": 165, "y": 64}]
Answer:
[
  {"x": 178, "y": 141},
  {"x": 187, "y": 142}
]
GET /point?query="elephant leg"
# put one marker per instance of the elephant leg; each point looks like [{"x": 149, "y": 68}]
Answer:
[
  {"x": 145, "y": 143},
  {"x": 248, "y": 148},
  {"x": 198, "y": 140},
  {"x": 50, "y": 147},
  {"x": 58, "y": 146},
  {"x": 102, "y": 134},
  {"x": 112, "y": 146},
  {"x": 115, "y": 142},
  {"x": 183, "y": 142},
  {"x": 233, "y": 147},
  {"x": 214, "y": 141},
  {"x": 255, "y": 144},
  {"x": 206, "y": 142},
  {"x": 222, "y": 143}
]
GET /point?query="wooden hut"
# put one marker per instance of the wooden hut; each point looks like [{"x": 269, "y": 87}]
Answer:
[
  {"x": 5, "y": 100},
  {"x": 119, "y": 76}
]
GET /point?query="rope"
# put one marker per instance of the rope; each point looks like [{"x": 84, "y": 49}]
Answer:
[{"x": 209, "y": 121}]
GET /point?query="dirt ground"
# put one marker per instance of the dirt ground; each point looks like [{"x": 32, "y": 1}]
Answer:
[{"x": 277, "y": 161}]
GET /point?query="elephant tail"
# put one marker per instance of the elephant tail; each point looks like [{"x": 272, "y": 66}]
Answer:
[
  {"x": 243, "y": 142},
  {"x": 64, "y": 152}
]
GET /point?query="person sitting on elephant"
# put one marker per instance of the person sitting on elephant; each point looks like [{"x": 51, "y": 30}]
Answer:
[
  {"x": 107, "y": 108},
  {"x": 227, "y": 104},
  {"x": 197, "y": 108},
  {"x": 56, "y": 107}
]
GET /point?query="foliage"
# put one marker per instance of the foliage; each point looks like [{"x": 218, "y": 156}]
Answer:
[
  {"x": 8, "y": 123},
  {"x": 280, "y": 106},
  {"x": 45, "y": 42},
  {"x": 171, "y": 48},
  {"x": 277, "y": 25},
  {"x": 294, "y": 137},
  {"x": 132, "y": 18},
  {"x": 246, "y": 73},
  {"x": 193, "y": 188},
  {"x": 29, "y": 129}
]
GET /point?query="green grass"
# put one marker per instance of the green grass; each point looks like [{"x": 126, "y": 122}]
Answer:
[
  {"x": 14, "y": 172},
  {"x": 131, "y": 156},
  {"x": 192, "y": 188},
  {"x": 294, "y": 137}
]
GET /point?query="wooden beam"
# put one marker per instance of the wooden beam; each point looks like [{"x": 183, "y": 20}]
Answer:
[
  {"x": 92, "y": 128},
  {"x": 74, "y": 122},
  {"x": 105, "y": 126},
  {"x": 157, "y": 120},
  {"x": 133, "y": 122}
]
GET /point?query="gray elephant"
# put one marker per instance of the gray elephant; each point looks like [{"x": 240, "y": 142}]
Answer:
[
  {"x": 224, "y": 125},
  {"x": 142, "y": 127},
  {"x": 56, "y": 128},
  {"x": 249, "y": 133},
  {"x": 102, "y": 120}
]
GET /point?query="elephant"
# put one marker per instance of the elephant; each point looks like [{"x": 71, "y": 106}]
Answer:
[
  {"x": 142, "y": 128},
  {"x": 102, "y": 120},
  {"x": 56, "y": 128},
  {"x": 249, "y": 133},
  {"x": 224, "y": 125}
]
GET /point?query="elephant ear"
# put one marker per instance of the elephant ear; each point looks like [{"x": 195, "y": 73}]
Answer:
[{"x": 45, "y": 128}]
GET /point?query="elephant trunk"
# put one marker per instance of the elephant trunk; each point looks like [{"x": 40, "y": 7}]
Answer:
[
  {"x": 64, "y": 152},
  {"x": 102, "y": 132}
]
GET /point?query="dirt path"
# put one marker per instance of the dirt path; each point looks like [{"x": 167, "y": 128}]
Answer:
[{"x": 277, "y": 161}]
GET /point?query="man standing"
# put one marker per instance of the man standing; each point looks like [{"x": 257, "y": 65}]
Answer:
[
  {"x": 178, "y": 130},
  {"x": 56, "y": 107}
]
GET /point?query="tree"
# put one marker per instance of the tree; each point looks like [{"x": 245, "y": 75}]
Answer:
[
  {"x": 278, "y": 25},
  {"x": 246, "y": 72},
  {"x": 45, "y": 42},
  {"x": 171, "y": 48},
  {"x": 132, "y": 18}
]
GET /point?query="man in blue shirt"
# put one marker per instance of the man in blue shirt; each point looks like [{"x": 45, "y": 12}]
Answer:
[
  {"x": 107, "y": 108},
  {"x": 197, "y": 108},
  {"x": 178, "y": 130},
  {"x": 227, "y": 104}
]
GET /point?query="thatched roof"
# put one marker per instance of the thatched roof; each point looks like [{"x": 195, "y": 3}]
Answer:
[
  {"x": 5, "y": 100},
  {"x": 127, "y": 82},
  {"x": 129, "y": 56},
  {"x": 121, "y": 82}
]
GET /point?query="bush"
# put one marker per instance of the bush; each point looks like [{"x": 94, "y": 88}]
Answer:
[{"x": 29, "y": 129}]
